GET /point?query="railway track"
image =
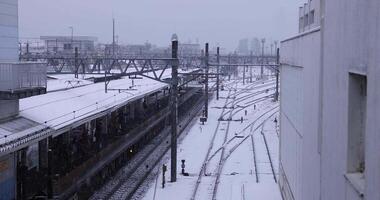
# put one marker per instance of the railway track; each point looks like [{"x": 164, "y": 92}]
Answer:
[
  {"x": 204, "y": 165},
  {"x": 128, "y": 180},
  {"x": 233, "y": 148},
  {"x": 223, "y": 149}
]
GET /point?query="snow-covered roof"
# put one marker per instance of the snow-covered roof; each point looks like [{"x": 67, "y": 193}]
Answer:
[
  {"x": 59, "y": 109},
  {"x": 56, "y": 112},
  {"x": 18, "y": 132}
]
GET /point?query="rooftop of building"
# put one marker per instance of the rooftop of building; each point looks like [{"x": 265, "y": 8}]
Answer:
[{"x": 69, "y": 38}]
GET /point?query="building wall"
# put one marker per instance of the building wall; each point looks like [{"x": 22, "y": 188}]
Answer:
[
  {"x": 53, "y": 46},
  {"x": 351, "y": 45},
  {"x": 309, "y": 15},
  {"x": 8, "y": 30},
  {"x": 373, "y": 110},
  {"x": 300, "y": 158},
  {"x": 8, "y": 108}
]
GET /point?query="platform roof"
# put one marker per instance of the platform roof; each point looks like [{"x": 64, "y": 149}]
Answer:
[
  {"x": 59, "y": 109},
  {"x": 18, "y": 132},
  {"x": 53, "y": 113}
]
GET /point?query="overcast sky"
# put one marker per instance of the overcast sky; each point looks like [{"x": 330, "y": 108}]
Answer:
[{"x": 221, "y": 22}]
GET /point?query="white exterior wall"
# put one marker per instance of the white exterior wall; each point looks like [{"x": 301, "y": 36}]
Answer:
[
  {"x": 307, "y": 9},
  {"x": 8, "y": 47},
  {"x": 8, "y": 30},
  {"x": 351, "y": 44},
  {"x": 299, "y": 151},
  {"x": 373, "y": 105}
]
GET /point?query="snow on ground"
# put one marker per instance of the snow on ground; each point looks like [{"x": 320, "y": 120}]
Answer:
[{"x": 238, "y": 172}]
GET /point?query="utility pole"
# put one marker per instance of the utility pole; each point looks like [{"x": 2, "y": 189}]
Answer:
[
  {"x": 244, "y": 75},
  {"x": 27, "y": 51},
  {"x": 277, "y": 74},
  {"x": 174, "y": 109},
  {"x": 229, "y": 68},
  {"x": 250, "y": 69},
  {"x": 72, "y": 36},
  {"x": 217, "y": 71},
  {"x": 76, "y": 67},
  {"x": 262, "y": 58},
  {"x": 113, "y": 37},
  {"x": 206, "y": 82}
]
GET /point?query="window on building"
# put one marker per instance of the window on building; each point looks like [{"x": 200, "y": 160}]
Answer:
[
  {"x": 356, "y": 123},
  {"x": 306, "y": 20},
  {"x": 67, "y": 46},
  {"x": 311, "y": 17},
  {"x": 301, "y": 23}
]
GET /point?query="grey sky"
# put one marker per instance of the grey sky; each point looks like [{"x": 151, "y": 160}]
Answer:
[{"x": 214, "y": 21}]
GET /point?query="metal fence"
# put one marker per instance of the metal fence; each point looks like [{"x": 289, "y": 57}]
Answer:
[{"x": 17, "y": 76}]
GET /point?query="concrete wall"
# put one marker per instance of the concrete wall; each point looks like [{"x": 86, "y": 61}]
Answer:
[
  {"x": 373, "y": 105},
  {"x": 351, "y": 45},
  {"x": 8, "y": 108},
  {"x": 309, "y": 16},
  {"x": 8, "y": 46},
  {"x": 317, "y": 158},
  {"x": 299, "y": 152},
  {"x": 8, "y": 30}
]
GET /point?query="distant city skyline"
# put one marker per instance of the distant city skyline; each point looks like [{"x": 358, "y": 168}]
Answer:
[{"x": 219, "y": 22}]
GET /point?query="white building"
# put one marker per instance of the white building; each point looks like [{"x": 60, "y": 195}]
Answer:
[
  {"x": 67, "y": 44},
  {"x": 330, "y": 105},
  {"x": 8, "y": 30},
  {"x": 17, "y": 80}
]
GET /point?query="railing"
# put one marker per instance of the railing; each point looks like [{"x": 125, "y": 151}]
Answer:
[{"x": 19, "y": 76}]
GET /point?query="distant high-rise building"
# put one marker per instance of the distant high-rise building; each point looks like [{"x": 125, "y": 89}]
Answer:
[
  {"x": 255, "y": 47},
  {"x": 243, "y": 47}
]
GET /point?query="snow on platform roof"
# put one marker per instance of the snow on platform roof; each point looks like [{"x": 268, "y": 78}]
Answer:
[
  {"x": 56, "y": 112},
  {"x": 16, "y": 133},
  {"x": 59, "y": 109}
]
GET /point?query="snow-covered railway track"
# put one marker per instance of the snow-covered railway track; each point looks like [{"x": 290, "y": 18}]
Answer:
[
  {"x": 263, "y": 118},
  {"x": 204, "y": 164},
  {"x": 235, "y": 99},
  {"x": 125, "y": 184}
]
